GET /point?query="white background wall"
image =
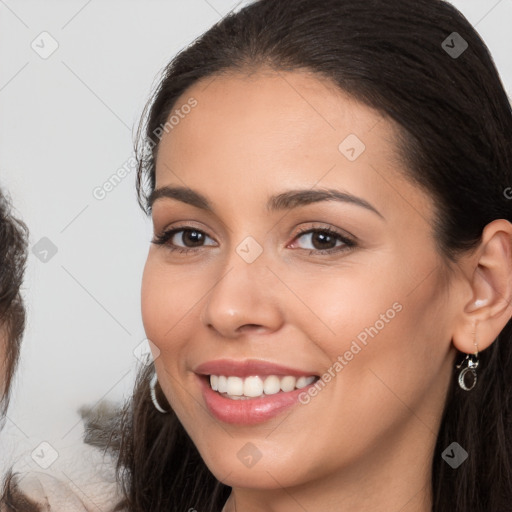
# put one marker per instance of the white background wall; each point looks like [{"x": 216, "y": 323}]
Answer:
[{"x": 66, "y": 125}]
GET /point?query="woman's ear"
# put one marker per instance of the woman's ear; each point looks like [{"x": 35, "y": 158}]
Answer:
[{"x": 490, "y": 277}]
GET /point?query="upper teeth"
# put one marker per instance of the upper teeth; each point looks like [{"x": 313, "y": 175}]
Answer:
[{"x": 255, "y": 386}]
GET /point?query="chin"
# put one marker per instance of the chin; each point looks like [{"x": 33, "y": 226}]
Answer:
[{"x": 239, "y": 463}]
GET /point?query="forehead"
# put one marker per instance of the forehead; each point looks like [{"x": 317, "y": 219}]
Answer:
[
  {"x": 281, "y": 108},
  {"x": 266, "y": 128}
]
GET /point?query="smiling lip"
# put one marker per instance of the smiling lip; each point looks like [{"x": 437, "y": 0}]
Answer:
[
  {"x": 247, "y": 367},
  {"x": 254, "y": 410}
]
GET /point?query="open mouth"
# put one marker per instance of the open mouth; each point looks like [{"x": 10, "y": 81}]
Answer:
[{"x": 255, "y": 386}]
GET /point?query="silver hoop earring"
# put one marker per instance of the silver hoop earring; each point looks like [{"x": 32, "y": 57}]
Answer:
[
  {"x": 467, "y": 376},
  {"x": 152, "y": 390}
]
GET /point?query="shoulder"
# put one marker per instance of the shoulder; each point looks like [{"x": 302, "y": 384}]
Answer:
[
  {"x": 82, "y": 480},
  {"x": 38, "y": 491}
]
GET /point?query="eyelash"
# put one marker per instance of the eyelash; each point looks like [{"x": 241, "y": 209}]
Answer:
[{"x": 164, "y": 237}]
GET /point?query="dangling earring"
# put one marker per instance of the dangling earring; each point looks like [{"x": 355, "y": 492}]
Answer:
[
  {"x": 152, "y": 386},
  {"x": 470, "y": 363}
]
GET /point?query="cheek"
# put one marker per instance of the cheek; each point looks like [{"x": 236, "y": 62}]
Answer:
[
  {"x": 170, "y": 298},
  {"x": 379, "y": 331},
  {"x": 159, "y": 302},
  {"x": 151, "y": 302},
  {"x": 357, "y": 303}
]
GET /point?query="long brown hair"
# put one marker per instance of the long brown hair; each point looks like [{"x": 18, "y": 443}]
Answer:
[{"x": 457, "y": 123}]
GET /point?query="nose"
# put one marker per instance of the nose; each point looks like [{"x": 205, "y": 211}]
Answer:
[{"x": 243, "y": 298}]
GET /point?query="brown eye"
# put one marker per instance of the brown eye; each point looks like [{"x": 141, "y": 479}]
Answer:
[
  {"x": 322, "y": 240},
  {"x": 194, "y": 236},
  {"x": 325, "y": 241},
  {"x": 191, "y": 238}
]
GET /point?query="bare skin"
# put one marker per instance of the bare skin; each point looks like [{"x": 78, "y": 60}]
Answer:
[{"x": 365, "y": 442}]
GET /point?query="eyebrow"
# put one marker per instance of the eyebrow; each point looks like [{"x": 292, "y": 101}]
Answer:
[{"x": 283, "y": 201}]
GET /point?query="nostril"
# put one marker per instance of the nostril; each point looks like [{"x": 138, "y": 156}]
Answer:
[{"x": 250, "y": 327}]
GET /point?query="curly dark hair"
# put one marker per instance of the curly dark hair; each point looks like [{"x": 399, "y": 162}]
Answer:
[{"x": 13, "y": 257}]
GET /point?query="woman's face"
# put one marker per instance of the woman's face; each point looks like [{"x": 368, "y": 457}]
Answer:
[{"x": 363, "y": 309}]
